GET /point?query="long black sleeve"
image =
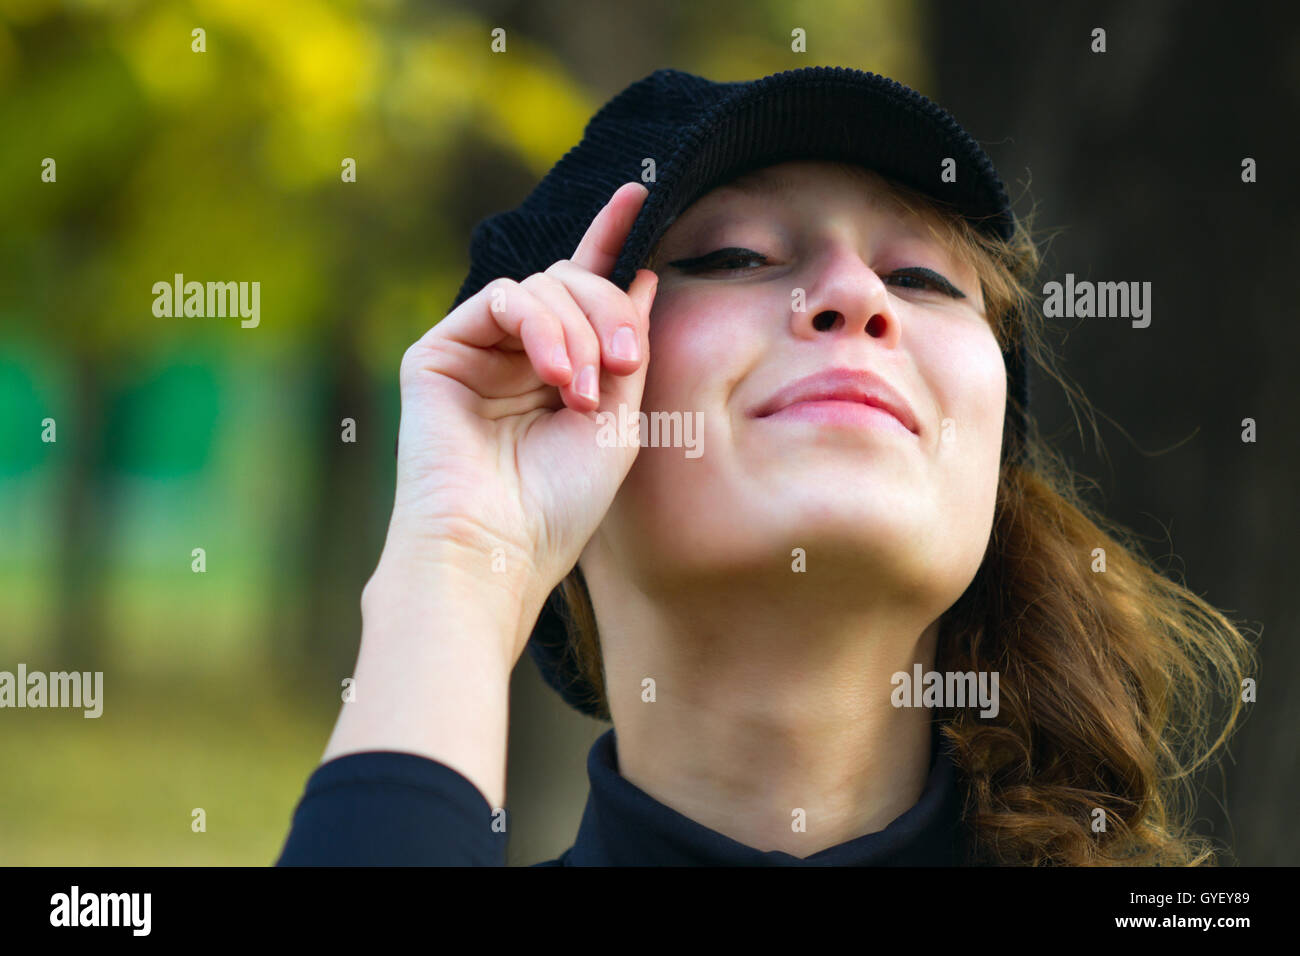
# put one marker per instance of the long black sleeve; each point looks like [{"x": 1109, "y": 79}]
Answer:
[{"x": 384, "y": 808}]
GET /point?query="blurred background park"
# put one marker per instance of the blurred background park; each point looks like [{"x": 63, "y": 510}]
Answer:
[{"x": 221, "y": 688}]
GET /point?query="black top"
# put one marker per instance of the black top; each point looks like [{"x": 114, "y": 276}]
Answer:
[{"x": 399, "y": 809}]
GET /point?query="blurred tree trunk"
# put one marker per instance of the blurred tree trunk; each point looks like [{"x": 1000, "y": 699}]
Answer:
[
  {"x": 1137, "y": 153},
  {"x": 337, "y": 558},
  {"x": 83, "y": 538}
]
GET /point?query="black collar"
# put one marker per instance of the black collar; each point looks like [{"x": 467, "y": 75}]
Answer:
[{"x": 623, "y": 825}]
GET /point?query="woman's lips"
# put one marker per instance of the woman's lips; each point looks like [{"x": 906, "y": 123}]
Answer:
[
  {"x": 841, "y": 386},
  {"x": 839, "y": 412}
]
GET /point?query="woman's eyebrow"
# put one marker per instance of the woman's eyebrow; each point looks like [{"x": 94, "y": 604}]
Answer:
[
  {"x": 768, "y": 185},
  {"x": 715, "y": 215},
  {"x": 762, "y": 186}
]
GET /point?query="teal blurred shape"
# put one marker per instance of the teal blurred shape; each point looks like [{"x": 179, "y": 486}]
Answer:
[
  {"x": 165, "y": 426},
  {"x": 21, "y": 448}
]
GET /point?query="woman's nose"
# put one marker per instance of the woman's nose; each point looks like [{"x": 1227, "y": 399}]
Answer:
[
  {"x": 828, "y": 321},
  {"x": 847, "y": 296}
]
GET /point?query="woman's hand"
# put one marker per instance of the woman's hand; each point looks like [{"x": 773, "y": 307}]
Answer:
[
  {"x": 500, "y": 483},
  {"x": 498, "y": 461}
]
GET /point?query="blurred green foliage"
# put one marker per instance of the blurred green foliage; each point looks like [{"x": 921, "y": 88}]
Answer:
[{"x": 177, "y": 433}]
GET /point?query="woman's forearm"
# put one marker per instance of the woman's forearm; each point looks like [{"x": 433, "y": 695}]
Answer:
[{"x": 433, "y": 671}]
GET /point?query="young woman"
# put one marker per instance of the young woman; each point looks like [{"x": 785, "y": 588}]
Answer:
[{"x": 865, "y": 618}]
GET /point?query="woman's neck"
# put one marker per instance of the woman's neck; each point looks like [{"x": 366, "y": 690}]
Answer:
[{"x": 748, "y": 713}]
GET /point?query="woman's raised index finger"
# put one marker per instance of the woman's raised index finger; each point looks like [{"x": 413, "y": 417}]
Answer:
[{"x": 603, "y": 241}]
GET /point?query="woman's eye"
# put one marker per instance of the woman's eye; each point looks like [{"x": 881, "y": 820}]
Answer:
[
  {"x": 926, "y": 280},
  {"x": 734, "y": 259},
  {"x": 720, "y": 260}
]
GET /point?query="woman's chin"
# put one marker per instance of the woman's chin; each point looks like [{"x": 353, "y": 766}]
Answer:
[{"x": 851, "y": 535}]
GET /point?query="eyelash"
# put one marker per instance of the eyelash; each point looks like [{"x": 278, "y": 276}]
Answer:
[{"x": 933, "y": 281}]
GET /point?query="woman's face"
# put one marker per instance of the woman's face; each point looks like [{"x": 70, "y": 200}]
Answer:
[{"x": 847, "y": 283}]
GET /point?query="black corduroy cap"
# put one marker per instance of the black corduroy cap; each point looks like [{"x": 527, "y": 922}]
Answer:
[{"x": 700, "y": 134}]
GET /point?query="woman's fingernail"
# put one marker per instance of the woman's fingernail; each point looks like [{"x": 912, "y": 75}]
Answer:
[
  {"x": 560, "y": 358},
  {"x": 587, "y": 382},
  {"x": 623, "y": 345}
]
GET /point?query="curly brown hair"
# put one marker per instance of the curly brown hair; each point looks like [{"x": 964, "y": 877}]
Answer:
[{"x": 1109, "y": 669}]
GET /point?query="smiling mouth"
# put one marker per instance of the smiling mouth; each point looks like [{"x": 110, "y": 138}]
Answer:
[
  {"x": 842, "y": 412},
  {"x": 841, "y": 396}
]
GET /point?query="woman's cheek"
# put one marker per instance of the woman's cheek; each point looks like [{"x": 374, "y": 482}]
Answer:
[
  {"x": 689, "y": 346},
  {"x": 984, "y": 408},
  {"x": 680, "y": 500},
  {"x": 971, "y": 395},
  {"x": 669, "y": 347},
  {"x": 968, "y": 375}
]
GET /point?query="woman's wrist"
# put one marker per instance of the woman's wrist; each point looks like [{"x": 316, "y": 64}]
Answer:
[
  {"x": 432, "y": 595},
  {"x": 433, "y": 672}
]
